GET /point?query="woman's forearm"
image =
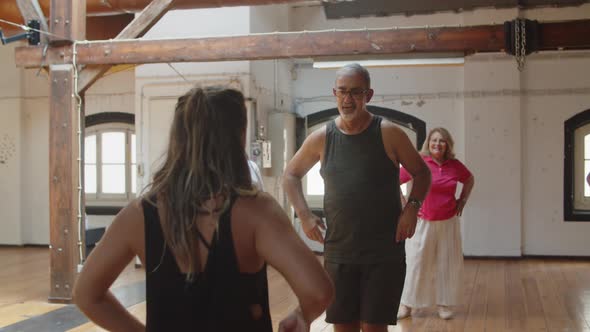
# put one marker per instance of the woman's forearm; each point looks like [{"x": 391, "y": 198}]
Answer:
[
  {"x": 467, "y": 187},
  {"x": 110, "y": 314}
]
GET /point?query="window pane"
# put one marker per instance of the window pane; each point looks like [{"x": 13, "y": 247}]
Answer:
[
  {"x": 315, "y": 183},
  {"x": 90, "y": 179},
  {"x": 587, "y": 147},
  {"x": 586, "y": 171},
  {"x": 90, "y": 149},
  {"x": 113, "y": 148},
  {"x": 133, "y": 149},
  {"x": 133, "y": 178},
  {"x": 113, "y": 179}
]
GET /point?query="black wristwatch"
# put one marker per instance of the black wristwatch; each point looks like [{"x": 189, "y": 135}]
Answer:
[{"x": 415, "y": 203}]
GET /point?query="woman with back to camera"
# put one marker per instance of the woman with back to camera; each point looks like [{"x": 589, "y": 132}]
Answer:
[
  {"x": 204, "y": 236},
  {"x": 434, "y": 255}
]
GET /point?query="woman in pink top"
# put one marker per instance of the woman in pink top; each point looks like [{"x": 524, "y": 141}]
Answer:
[{"x": 434, "y": 256}]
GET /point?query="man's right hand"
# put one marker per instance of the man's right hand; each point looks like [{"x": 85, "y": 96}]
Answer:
[
  {"x": 311, "y": 226},
  {"x": 406, "y": 225}
]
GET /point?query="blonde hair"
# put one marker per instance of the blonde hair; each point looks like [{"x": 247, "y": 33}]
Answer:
[
  {"x": 205, "y": 159},
  {"x": 450, "y": 151}
]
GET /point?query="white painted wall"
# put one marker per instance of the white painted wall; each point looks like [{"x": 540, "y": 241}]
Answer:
[
  {"x": 10, "y": 171},
  {"x": 492, "y": 223},
  {"x": 114, "y": 92},
  {"x": 547, "y": 105},
  {"x": 35, "y": 185},
  {"x": 10, "y": 149}
]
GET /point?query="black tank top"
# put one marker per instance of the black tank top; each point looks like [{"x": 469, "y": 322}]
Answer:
[
  {"x": 219, "y": 299},
  {"x": 361, "y": 199}
]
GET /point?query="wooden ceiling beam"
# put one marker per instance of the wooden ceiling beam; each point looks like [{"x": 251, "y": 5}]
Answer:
[
  {"x": 565, "y": 35},
  {"x": 136, "y": 29},
  {"x": 489, "y": 38}
]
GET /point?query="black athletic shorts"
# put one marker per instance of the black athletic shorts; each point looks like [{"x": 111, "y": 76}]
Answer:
[{"x": 367, "y": 293}]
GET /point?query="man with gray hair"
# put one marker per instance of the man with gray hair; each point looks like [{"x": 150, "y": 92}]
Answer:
[{"x": 360, "y": 155}]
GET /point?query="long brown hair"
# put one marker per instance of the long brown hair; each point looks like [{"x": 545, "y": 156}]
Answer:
[{"x": 205, "y": 159}]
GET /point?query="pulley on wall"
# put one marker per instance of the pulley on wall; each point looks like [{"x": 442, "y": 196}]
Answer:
[{"x": 32, "y": 34}]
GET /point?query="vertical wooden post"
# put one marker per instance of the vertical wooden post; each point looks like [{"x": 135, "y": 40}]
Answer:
[
  {"x": 66, "y": 204},
  {"x": 67, "y": 21},
  {"x": 63, "y": 187}
]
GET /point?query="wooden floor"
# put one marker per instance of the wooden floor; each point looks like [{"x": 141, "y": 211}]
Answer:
[{"x": 499, "y": 295}]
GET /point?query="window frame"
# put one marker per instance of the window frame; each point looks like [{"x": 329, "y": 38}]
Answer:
[
  {"x": 571, "y": 168},
  {"x": 96, "y": 124},
  {"x": 100, "y": 196}
]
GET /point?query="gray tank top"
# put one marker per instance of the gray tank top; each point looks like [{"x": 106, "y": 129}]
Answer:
[{"x": 361, "y": 200}]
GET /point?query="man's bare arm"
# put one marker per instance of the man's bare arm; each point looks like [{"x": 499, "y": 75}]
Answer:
[
  {"x": 412, "y": 161},
  {"x": 307, "y": 156},
  {"x": 400, "y": 150}
]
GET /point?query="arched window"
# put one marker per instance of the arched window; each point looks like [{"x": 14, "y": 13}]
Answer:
[
  {"x": 110, "y": 177},
  {"x": 576, "y": 190}
]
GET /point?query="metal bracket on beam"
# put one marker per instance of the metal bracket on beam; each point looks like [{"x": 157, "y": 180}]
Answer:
[{"x": 32, "y": 35}]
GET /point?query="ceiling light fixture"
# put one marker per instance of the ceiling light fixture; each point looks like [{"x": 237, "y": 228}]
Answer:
[{"x": 454, "y": 61}]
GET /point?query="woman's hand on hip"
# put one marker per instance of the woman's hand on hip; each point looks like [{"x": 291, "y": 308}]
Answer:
[{"x": 460, "y": 205}]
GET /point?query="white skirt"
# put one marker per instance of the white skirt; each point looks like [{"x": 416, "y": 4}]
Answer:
[{"x": 434, "y": 260}]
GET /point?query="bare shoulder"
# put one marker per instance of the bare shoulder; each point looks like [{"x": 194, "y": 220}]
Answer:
[
  {"x": 310, "y": 152},
  {"x": 258, "y": 209},
  {"x": 319, "y": 132},
  {"x": 129, "y": 225},
  {"x": 317, "y": 138},
  {"x": 397, "y": 144},
  {"x": 393, "y": 137},
  {"x": 391, "y": 129},
  {"x": 133, "y": 212},
  {"x": 259, "y": 204}
]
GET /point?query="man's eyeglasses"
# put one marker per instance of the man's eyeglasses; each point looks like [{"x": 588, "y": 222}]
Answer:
[{"x": 354, "y": 93}]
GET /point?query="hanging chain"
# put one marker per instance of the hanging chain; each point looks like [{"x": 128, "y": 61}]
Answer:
[
  {"x": 523, "y": 43},
  {"x": 517, "y": 42},
  {"x": 520, "y": 42}
]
